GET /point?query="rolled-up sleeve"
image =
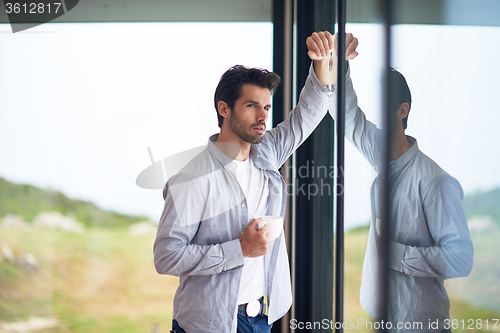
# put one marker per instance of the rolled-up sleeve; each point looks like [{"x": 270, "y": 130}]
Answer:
[
  {"x": 312, "y": 107},
  {"x": 360, "y": 132},
  {"x": 453, "y": 253},
  {"x": 174, "y": 252}
]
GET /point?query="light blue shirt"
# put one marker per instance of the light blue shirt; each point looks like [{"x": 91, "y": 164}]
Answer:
[
  {"x": 206, "y": 212},
  {"x": 430, "y": 239}
]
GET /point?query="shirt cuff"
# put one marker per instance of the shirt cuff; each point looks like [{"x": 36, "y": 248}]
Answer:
[
  {"x": 396, "y": 255},
  {"x": 317, "y": 85},
  {"x": 315, "y": 81},
  {"x": 233, "y": 254}
]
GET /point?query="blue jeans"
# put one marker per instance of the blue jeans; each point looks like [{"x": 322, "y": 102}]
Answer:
[
  {"x": 248, "y": 324},
  {"x": 176, "y": 328},
  {"x": 245, "y": 324}
]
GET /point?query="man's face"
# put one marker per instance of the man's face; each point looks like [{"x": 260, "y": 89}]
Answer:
[{"x": 249, "y": 115}]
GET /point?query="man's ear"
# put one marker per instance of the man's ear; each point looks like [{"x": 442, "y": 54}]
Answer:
[
  {"x": 403, "y": 110},
  {"x": 223, "y": 109}
]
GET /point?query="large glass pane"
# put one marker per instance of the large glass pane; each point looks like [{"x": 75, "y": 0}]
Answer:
[
  {"x": 450, "y": 65},
  {"x": 454, "y": 77},
  {"x": 365, "y": 72},
  {"x": 79, "y": 106}
]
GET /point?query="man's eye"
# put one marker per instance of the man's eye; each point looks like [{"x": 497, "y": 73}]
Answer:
[{"x": 251, "y": 105}]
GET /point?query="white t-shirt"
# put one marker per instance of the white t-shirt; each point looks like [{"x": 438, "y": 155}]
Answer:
[{"x": 254, "y": 184}]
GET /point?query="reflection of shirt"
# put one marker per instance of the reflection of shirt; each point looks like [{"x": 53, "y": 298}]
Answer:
[
  {"x": 206, "y": 212},
  {"x": 430, "y": 239},
  {"x": 254, "y": 184}
]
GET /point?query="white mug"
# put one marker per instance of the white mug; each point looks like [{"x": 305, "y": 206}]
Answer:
[{"x": 274, "y": 223}]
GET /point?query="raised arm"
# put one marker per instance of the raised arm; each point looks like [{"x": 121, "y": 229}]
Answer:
[
  {"x": 363, "y": 134},
  {"x": 320, "y": 45},
  {"x": 313, "y": 101}
]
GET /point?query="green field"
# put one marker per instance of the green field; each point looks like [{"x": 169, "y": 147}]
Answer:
[
  {"x": 476, "y": 297},
  {"x": 99, "y": 281},
  {"x": 104, "y": 281}
]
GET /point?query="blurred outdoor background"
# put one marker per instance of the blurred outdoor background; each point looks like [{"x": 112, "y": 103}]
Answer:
[{"x": 81, "y": 103}]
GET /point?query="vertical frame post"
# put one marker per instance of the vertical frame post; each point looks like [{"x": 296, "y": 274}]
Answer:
[
  {"x": 314, "y": 198},
  {"x": 282, "y": 104},
  {"x": 384, "y": 199},
  {"x": 339, "y": 189}
]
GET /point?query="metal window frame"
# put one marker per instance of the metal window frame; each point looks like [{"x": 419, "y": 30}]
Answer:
[{"x": 312, "y": 249}]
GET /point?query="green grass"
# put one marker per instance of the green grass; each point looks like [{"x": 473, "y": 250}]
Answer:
[
  {"x": 476, "y": 297},
  {"x": 354, "y": 251},
  {"x": 99, "y": 281},
  {"x": 27, "y": 201},
  {"x": 104, "y": 281}
]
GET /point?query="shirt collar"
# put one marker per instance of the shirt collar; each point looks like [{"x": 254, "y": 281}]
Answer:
[
  {"x": 216, "y": 153},
  {"x": 407, "y": 157},
  {"x": 224, "y": 160}
]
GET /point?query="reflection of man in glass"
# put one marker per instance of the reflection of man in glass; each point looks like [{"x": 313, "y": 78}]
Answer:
[
  {"x": 429, "y": 236},
  {"x": 233, "y": 277}
]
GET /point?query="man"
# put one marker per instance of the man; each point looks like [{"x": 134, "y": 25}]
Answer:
[
  {"x": 429, "y": 235},
  {"x": 232, "y": 276}
]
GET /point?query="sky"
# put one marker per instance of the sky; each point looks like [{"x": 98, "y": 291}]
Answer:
[
  {"x": 81, "y": 103},
  {"x": 454, "y": 78}
]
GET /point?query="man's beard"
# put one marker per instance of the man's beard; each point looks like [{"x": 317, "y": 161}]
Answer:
[{"x": 238, "y": 128}]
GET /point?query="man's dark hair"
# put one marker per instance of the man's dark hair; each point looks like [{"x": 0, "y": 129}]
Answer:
[
  {"x": 229, "y": 87},
  {"x": 400, "y": 92}
]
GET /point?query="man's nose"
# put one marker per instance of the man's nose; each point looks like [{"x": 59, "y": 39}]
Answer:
[{"x": 262, "y": 116}]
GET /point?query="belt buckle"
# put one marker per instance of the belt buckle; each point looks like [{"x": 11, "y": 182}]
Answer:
[{"x": 253, "y": 308}]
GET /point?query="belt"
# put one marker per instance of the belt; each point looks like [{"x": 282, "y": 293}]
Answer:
[{"x": 255, "y": 308}]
